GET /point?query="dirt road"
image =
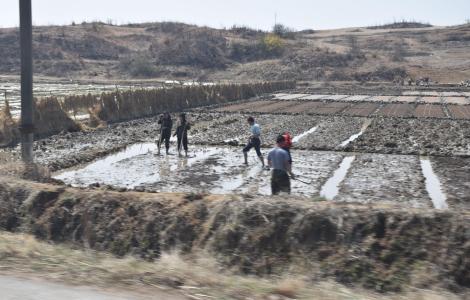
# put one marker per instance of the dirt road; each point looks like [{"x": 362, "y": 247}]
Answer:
[{"x": 27, "y": 289}]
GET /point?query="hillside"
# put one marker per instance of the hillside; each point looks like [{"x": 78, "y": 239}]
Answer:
[{"x": 180, "y": 51}]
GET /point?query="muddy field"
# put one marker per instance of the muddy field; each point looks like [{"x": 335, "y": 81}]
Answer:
[
  {"x": 215, "y": 170},
  {"x": 371, "y": 178},
  {"x": 410, "y": 136},
  {"x": 379, "y": 106},
  {"x": 214, "y": 165}
]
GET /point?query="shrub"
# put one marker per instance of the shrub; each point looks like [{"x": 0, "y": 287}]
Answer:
[
  {"x": 283, "y": 31},
  {"x": 199, "y": 48},
  {"x": 273, "y": 44},
  {"x": 246, "y": 32},
  {"x": 139, "y": 66},
  {"x": 401, "y": 24}
]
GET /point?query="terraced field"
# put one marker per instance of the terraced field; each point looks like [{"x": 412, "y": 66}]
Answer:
[
  {"x": 413, "y": 105},
  {"x": 459, "y": 112},
  {"x": 429, "y": 111},
  {"x": 361, "y": 109}
]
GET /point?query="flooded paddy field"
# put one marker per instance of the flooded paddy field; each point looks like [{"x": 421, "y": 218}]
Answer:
[
  {"x": 379, "y": 177},
  {"x": 217, "y": 170},
  {"x": 366, "y": 178},
  {"x": 355, "y": 151}
]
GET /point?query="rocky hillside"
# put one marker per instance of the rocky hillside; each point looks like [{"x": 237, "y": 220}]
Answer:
[{"x": 180, "y": 51}]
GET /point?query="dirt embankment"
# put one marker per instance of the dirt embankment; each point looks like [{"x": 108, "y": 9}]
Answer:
[{"x": 379, "y": 247}]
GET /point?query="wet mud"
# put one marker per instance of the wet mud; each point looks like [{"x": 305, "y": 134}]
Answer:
[
  {"x": 375, "y": 177},
  {"x": 331, "y": 133},
  {"x": 215, "y": 170},
  {"x": 437, "y": 137},
  {"x": 454, "y": 175}
]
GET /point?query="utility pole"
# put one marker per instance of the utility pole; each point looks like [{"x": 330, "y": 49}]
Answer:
[{"x": 26, "y": 43}]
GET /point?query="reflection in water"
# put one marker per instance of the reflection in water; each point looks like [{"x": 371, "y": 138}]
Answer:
[
  {"x": 165, "y": 167},
  {"x": 331, "y": 188},
  {"x": 182, "y": 163},
  {"x": 433, "y": 185},
  {"x": 354, "y": 137},
  {"x": 304, "y": 134}
]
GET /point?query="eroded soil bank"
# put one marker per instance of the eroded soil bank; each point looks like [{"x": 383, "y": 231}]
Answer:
[{"x": 380, "y": 247}]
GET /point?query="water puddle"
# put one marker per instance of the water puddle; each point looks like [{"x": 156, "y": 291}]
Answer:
[
  {"x": 331, "y": 188},
  {"x": 353, "y": 137},
  {"x": 296, "y": 139},
  {"x": 433, "y": 185},
  {"x": 136, "y": 165},
  {"x": 218, "y": 170}
]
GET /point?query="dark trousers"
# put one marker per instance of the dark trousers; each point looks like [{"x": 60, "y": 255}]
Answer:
[
  {"x": 280, "y": 182},
  {"x": 254, "y": 143},
  {"x": 165, "y": 136},
  {"x": 182, "y": 142}
]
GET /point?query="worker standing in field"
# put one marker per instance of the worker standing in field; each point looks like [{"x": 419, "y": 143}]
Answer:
[
  {"x": 182, "y": 134},
  {"x": 287, "y": 144},
  {"x": 279, "y": 161},
  {"x": 254, "y": 141},
  {"x": 166, "y": 123}
]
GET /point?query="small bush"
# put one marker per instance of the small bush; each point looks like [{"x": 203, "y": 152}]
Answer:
[
  {"x": 199, "y": 48},
  {"x": 247, "y": 51},
  {"x": 139, "y": 66},
  {"x": 273, "y": 44},
  {"x": 246, "y": 32},
  {"x": 283, "y": 31},
  {"x": 401, "y": 24}
]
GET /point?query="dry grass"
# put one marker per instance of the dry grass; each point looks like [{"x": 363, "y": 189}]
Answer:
[
  {"x": 50, "y": 118},
  {"x": 8, "y": 130},
  {"x": 198, "y": 277}
]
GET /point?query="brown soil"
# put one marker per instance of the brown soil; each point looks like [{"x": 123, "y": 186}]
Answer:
[
  {"x": 396, "y": 110},
  {"x": 361, "y": 109},
  {"x": 429, "y": 111},
  {"x": 460, "y": 112}
]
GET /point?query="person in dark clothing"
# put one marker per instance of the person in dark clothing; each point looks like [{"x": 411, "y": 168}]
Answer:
[
  {"x": 166, "y": 124},
  {"x": 287, "y": 144},
  {"x": 182, "y": 134},
  {"x": 279, "y": 159}
]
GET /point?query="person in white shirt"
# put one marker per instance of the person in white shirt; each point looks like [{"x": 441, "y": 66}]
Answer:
[{"x": 254, "y": 141}]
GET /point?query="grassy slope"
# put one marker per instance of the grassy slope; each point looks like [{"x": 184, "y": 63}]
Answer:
[
  {"x": 184, "y": 51},
  {"x": 198, "y": 277}
]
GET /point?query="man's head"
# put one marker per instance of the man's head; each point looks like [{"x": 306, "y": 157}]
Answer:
[
  {"x": 166, "y": 114},
  {"x": 251, "y": 120},
  {"x": 280, "y": 140}
]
